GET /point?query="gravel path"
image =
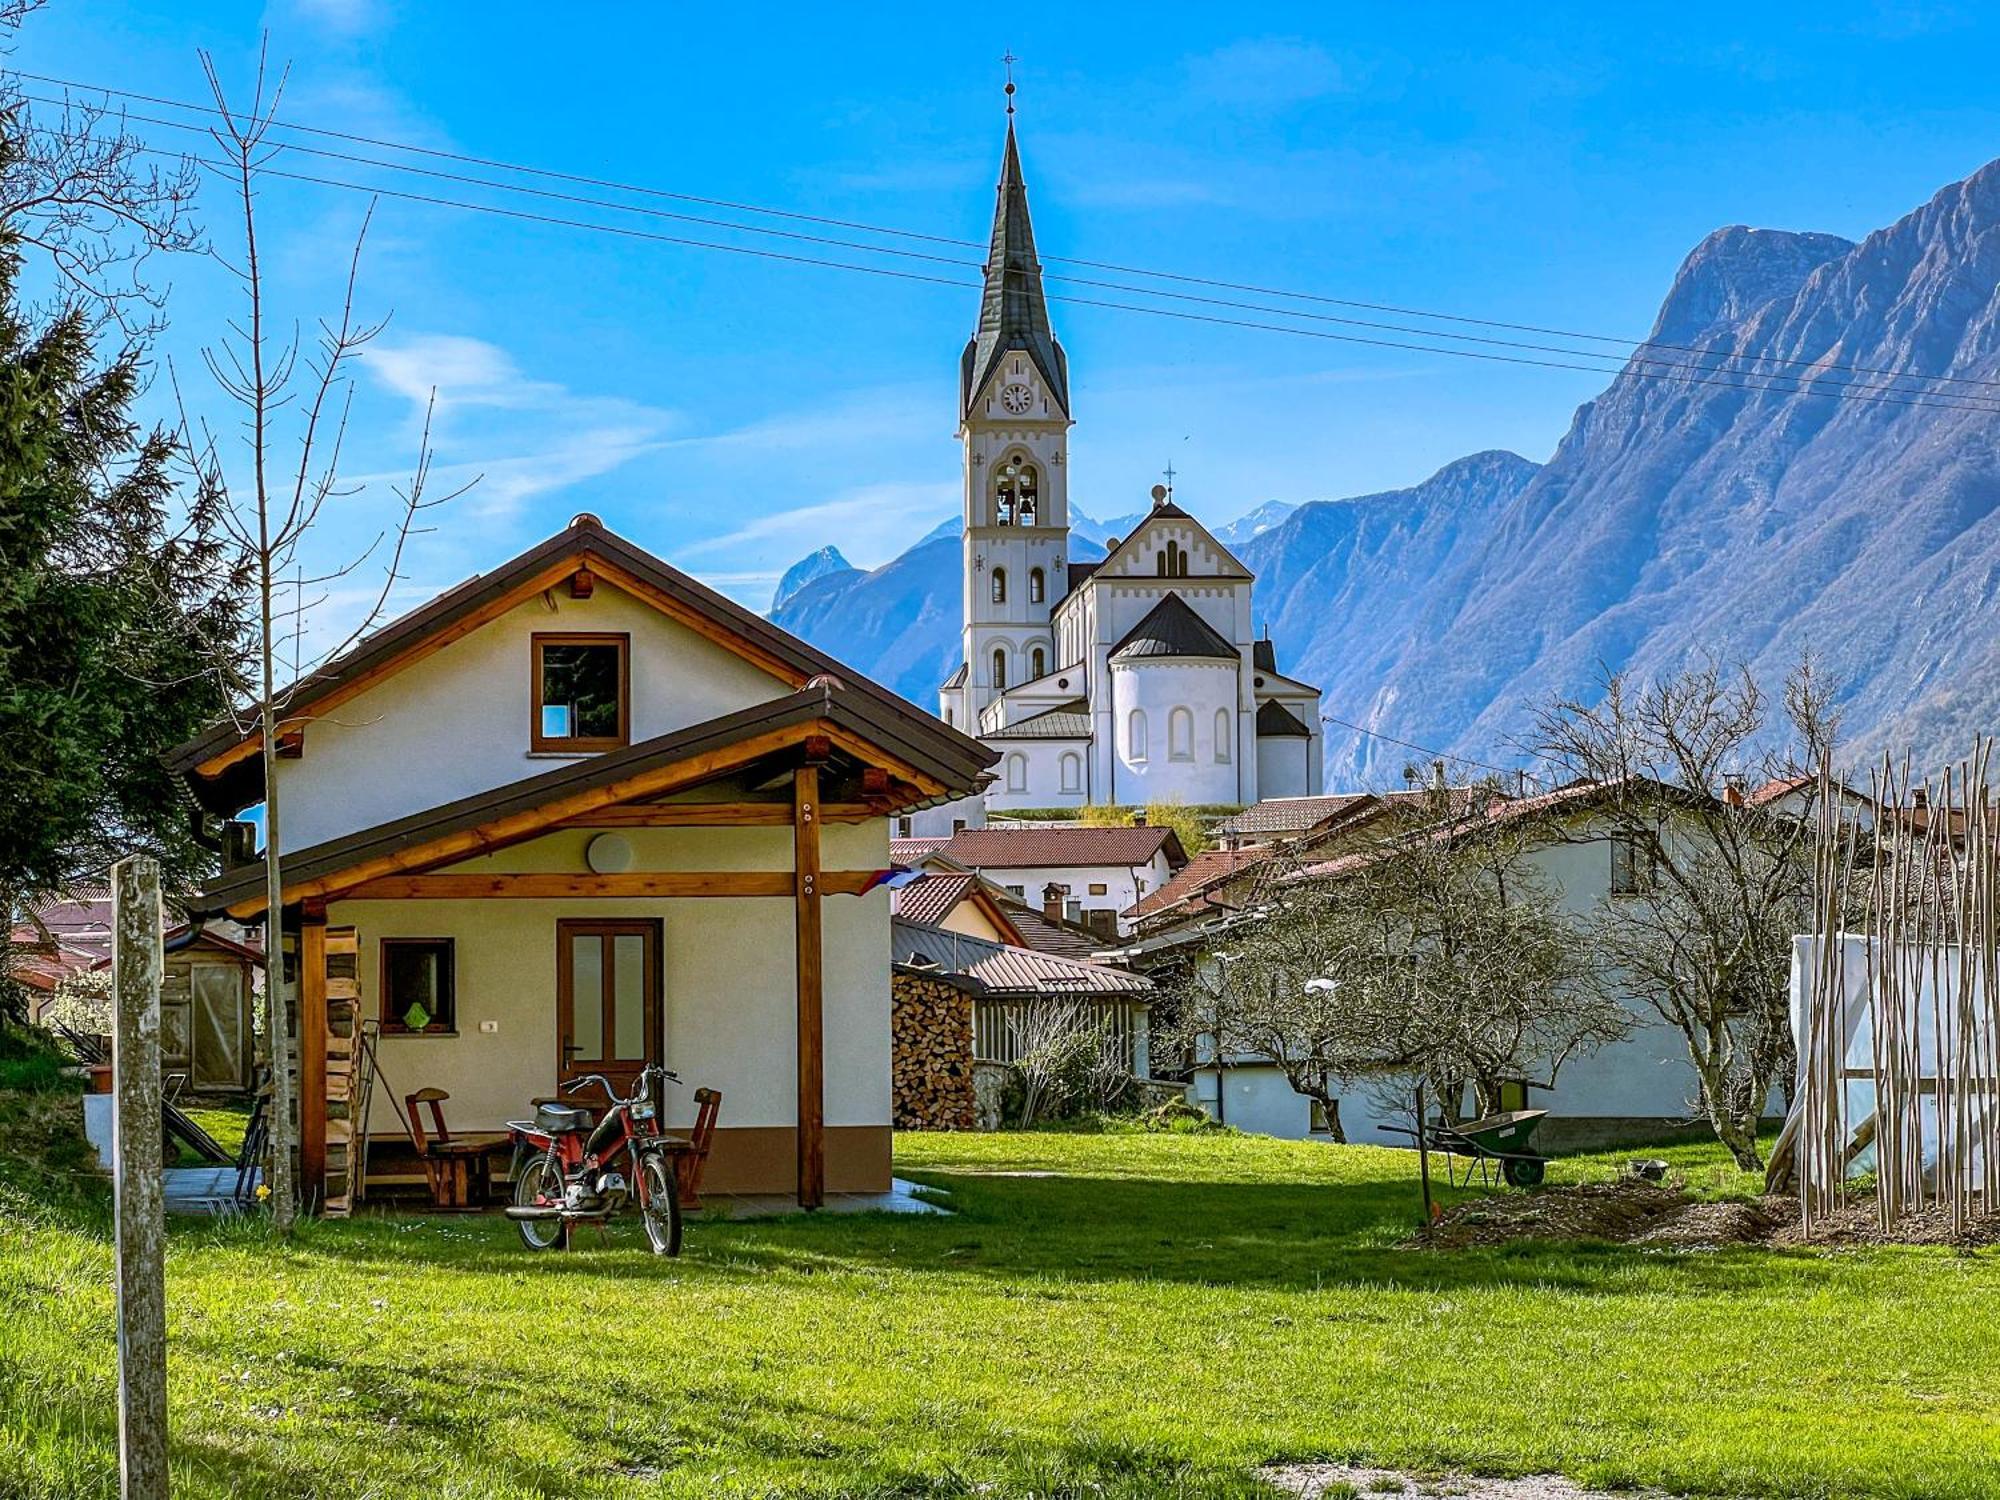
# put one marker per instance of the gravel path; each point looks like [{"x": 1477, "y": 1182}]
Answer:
[{"x": 1327, "y": 1481}]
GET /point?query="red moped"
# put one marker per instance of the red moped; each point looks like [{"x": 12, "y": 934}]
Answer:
[{"x": 567, "y": 1172}]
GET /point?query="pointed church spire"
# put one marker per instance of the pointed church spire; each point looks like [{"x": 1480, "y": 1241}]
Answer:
[{"x": 1013, "y": 313}]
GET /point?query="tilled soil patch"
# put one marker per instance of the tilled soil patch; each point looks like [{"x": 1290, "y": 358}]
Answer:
[{"x": 1634, "y": 1212}]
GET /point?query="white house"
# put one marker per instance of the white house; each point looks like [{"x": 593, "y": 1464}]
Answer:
[
  {"x": 1630, "y": 1090},
  {"x": 577, "y": 815},
  {"x": 1131, "y": 680},
  {"x": 1088, "y": 875}
]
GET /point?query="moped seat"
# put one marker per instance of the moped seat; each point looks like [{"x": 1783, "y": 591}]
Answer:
[{"x": 560, "y": 1119}]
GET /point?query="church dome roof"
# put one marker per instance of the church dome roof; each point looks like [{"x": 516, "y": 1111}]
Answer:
[{"x": 1173, "y": 629}]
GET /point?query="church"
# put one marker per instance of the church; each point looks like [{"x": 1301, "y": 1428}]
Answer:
[{"x": 1135, "y": 679}]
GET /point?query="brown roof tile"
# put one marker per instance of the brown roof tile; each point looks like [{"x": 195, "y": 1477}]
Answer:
[{"x": 1072, "y": 844}]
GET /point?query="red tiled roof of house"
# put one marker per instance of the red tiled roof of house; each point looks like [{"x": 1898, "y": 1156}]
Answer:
[
  {"x": 1198, "y": 876},
  {"x": 1072, "y": 844},
  {"x": 1288, "y": 814}
]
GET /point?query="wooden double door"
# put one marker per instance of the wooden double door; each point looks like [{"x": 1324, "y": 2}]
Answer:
[{"x": 607, "y": 1000}]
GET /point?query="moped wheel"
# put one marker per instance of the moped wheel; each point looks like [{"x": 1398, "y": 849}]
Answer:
[
  {"x": 538, "y": 1182},
  {"x": 661, "y": 1212}
]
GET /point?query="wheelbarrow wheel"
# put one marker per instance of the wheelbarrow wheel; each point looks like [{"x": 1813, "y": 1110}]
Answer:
[{"x": 1523, "y": 1171}]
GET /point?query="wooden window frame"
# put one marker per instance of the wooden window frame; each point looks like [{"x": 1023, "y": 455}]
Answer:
[
  {"x": 574, "y": 744},
  {"x": 392, "y": 1024}
]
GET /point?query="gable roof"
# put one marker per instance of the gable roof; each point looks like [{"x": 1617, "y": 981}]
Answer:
[
  {"x": 1275, "y": 721},
  {"x": 1045, "y": 934},
  {"x": 1289, "y": 814},
  {"x": 225, "y": 774},
  {"x": 1172, "y": 629},
  {"x": 936, "y": 896},
  {"x": 1078, "y": 571},
  {"x": 1004, "y": 969},
  {"x": 1073, "y": 845},
  {"x": 1200, "y": 879},
  {"x": 527, "y": 808},
  {"x": 1166, "y": 510}
]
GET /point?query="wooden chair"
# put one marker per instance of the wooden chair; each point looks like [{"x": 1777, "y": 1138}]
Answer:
[
  {"x": 691, "y": 1159},
  {"x": 459, "y": 1174}
]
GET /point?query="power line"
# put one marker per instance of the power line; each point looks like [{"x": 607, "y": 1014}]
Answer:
[
  {"x": 1435, "y": 754},
  {"x": 875, "y": 229},
  {"x": 1801, "y": 384}
]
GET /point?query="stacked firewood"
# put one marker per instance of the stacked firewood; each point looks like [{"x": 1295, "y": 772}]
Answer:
[{"x": 931, "y": 1034}]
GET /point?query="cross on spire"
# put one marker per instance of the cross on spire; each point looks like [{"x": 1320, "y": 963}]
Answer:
[
  {"x": 1009, "y": 59},
  {"x": 1170, "y": 478}
]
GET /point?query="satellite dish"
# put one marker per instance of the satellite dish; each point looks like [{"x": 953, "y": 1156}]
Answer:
[{"x": 1159, "y": 493}]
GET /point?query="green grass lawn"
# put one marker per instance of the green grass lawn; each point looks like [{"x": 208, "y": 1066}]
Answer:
[{"x": 1115, "y": 1315}]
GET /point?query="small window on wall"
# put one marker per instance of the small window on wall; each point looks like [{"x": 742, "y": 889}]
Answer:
[
  {"x": 1038, "y": 585},
  {"x": 1072, "y": 772},
  {"x": 1017, "y": 772},
  {"x": 1135, "y": 735},
  {"x": 1632, "y": 872},
  {"x": 999, "y": 585},
  {"x": 1180, "y": 735},
  {"x": 1222, "y": 736},
  {"x": 418, "y": 986},
  {"x": 581, "y": 691},
  {"x": 999, "y": 667},
  {"x": 1038, "y": 664}
]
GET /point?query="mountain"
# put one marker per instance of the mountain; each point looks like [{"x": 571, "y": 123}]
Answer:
[
  {"x": 1762, "y": 480},
  {"x": 1256, "y": 522},
  {"x": 1686, "y": 515},
  {"x": 820, "y": 564}
]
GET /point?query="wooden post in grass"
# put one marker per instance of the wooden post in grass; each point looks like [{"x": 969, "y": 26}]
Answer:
[
  {"x": 1424, "y": 1158},
  {"x": 135, "y": 1156}
]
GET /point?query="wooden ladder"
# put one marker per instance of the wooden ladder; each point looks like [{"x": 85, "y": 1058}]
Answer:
[{"x": 346, "y": 1096}]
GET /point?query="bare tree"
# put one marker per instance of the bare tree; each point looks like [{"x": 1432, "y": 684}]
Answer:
[
  {"x": 274, "y": 501},
  {"x": 1066, "y": 1054},
  {"x": 1437, "y": 953},
  {"x": 1717, "y": 884},
  {"x": 91, "y": 200}
]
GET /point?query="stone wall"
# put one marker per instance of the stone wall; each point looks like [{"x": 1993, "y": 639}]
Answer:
[{"x": 931, "y": 1035}]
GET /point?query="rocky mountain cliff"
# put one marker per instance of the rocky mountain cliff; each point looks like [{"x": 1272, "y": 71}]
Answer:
[
  {"x": 1777, "y": 492},
  {"x": 821, "y": 564},
  {"x": 1851, "y": 515}
]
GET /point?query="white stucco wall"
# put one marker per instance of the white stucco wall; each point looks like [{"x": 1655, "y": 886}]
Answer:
[
  {"x": 458, "y": 722},
  {"x": 1157, "y": 687},
  {"x": 1124, "y": 884},
  {"x": 1283, "y": 762},
  {"x": 727, "y": 981}
]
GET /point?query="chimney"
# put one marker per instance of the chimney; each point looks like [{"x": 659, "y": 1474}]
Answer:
[
  {"x": 1437, "y": 777},
  {"x": 1052, "y": 901},
  {"x": 1732, "y": 790},
  {"x": 1139, "y": 818},
  {"x": 1920, "y": 797}
]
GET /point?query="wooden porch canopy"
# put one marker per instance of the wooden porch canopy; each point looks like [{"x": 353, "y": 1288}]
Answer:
[{"x": 865, "y": 757}]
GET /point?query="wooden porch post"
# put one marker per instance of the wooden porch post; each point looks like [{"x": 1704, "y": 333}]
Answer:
[
  {"x": 312, "y": 1054},
  {"x": 806, "y": 926}
]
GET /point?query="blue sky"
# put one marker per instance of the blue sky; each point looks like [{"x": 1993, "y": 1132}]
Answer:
[{"x": 1540, "y": 164}]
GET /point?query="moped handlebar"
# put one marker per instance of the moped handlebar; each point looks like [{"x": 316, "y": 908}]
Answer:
[{"x": 638, "y": 1094}]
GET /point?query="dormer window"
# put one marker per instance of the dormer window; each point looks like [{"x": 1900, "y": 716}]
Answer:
[
  {"x": 582, "y": 693},
  {"x": 1017, "y": 493}
]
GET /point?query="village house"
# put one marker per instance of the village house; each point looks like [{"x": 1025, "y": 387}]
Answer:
[
  {"x": 577, "y": 815},
  {"x": 1633, "y": 1089},
  {"x": 1084, "y": 874}
]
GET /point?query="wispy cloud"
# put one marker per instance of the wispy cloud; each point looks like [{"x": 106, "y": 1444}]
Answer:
[
  {"x": 520, "y": 436},
  {"x": 345, "y": 17},
  {"x": 866, "y": 522}
]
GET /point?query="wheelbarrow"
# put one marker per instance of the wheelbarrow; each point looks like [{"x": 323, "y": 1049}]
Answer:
[{"x": 1502, "y": 1138}]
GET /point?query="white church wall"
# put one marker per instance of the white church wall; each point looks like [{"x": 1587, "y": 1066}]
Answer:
[
  {"x": 1156, "y": 693},
  {"x": 1040, "y": 773},
  {"x": 1282, "y": 765}
]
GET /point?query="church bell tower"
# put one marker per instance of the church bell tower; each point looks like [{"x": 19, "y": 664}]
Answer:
[{"x": 1014, "y": 425}]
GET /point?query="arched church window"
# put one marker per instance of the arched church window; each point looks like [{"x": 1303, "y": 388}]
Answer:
[
  {"x": 1038, "y": 585},
  {"x": 1222, "y": 736},
  {"x": 1017, "y": 493},
  {"x": 1180, "y": 734},
  {"x": 1135, "y": 735},
  {"x": 999, "y": 585},
  {"x": 1017, "y": 772},
  {"x": 1170, "y": 561},
  {"x": 999, "y": 666},
  {"x": 1039, "y": 663},
  {"x": 1072, "y": 772}
]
